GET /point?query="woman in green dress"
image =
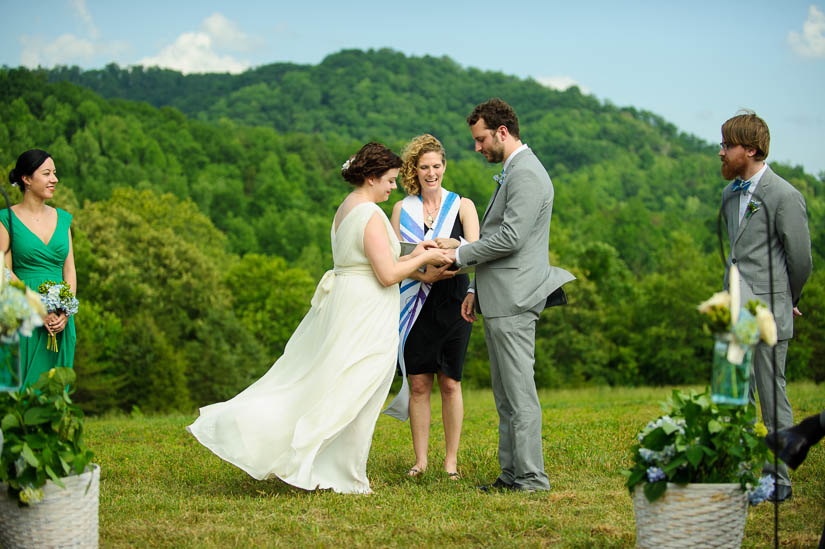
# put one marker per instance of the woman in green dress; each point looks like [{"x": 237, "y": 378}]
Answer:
[{"x": 41, "y": 250}]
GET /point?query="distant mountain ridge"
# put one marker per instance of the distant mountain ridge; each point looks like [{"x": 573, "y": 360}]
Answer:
[{"x": 383, "y": 94}]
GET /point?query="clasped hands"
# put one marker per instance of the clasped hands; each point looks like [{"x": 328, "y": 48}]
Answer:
[
  {"x": 441, "y": 252},
  {"x": 55, "y": 322}
]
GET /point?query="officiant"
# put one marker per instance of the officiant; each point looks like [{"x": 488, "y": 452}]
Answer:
[{"x": 433, "y": 335}]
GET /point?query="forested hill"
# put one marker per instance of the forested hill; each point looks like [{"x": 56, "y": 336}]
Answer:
[
  {"x": 201, "y": 220},
  {"x": 387, "y": 96}
]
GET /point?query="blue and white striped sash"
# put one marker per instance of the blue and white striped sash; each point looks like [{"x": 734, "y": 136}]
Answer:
[{"x": 414, "y": 292}]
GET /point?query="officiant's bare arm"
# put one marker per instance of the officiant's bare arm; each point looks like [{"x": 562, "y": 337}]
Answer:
[
  {"x": 395, "y": 220},
  {"x": 386, "y": 268}
]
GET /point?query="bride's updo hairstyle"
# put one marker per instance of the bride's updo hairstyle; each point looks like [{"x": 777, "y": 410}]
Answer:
[
  {"x": 27, "y": 164},
  {"x": 373, "y": 160}
]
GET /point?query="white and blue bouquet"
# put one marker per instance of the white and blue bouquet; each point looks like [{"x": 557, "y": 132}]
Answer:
[
  {"x": 21, "y": 310},
  {"x": 57, "y": 298}
]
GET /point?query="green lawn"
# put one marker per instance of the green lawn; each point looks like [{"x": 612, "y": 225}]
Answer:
[{"x": 160, "y": 488}]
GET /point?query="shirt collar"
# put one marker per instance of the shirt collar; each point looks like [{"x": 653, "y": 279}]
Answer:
[
  {"x": 756, "y": 178},
  {"x": 515, "y": 152}
]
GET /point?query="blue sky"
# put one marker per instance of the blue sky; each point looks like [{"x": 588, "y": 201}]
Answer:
[{"x": 694, "y": 63}]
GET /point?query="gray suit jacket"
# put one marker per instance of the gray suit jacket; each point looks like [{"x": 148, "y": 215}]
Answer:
[
  {"x": 513, "y": 271},
  {"x": 790, "y": 246}
]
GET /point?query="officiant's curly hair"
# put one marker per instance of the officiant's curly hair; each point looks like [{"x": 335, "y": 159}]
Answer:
[
  {"x": 748, "y": 130},
  {"x": 412, "y": 152},
  {"x": 373, "y": 160},
  {"x": 495, "y": 113}
]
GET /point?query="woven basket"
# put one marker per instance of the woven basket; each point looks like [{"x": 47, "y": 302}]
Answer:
[
  {"x": 694, "y": 515},
  {"x": 65, "y": 518}
]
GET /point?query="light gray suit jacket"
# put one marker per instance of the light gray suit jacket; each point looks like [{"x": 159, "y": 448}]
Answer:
[
  {"x": 513, "y": 271},
  {"x": 790, "y": 246}
]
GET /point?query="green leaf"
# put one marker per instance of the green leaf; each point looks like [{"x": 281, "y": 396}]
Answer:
[
  {"x": 654, "y": 491},
  {"x": 636, "y": 477},
  {"x": 714, "y": 426},
  {"x": 673, "y": 465},
  {"x": 54, "y": 477},
  {"x": 29, "y": 456},
  {"x": 10, "y": 421},
  {"x": 36, "y": 416},
  {"x": 694, "y": 455}
]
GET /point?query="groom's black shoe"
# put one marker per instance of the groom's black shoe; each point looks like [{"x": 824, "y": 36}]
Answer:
[
  {"x": 498, "y": 486},
  {"x": 791, "y": 445}
]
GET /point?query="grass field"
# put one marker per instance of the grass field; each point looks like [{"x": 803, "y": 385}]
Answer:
[{"x": 160, "y": 488}]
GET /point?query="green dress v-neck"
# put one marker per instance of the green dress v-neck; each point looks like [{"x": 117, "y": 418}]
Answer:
[{"x": 35, "y": 262}]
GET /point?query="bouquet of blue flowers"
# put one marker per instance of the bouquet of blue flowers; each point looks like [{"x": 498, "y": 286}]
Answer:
[{"x": 57, "y": 298}]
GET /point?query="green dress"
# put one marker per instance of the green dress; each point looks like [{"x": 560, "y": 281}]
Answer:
[{"x": 34, "y": 263}]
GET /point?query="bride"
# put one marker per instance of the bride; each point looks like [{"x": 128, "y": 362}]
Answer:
[{"x": 309, "y": 420}]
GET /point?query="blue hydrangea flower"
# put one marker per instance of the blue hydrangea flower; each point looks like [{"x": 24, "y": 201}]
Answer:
[
  {"x": 761, "y": 492},
  {"x": 655, "y": 474}
]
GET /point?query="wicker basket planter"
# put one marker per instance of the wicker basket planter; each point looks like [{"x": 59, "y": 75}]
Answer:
[
  {"x": 65, "y": 518},
  {"x": 694, "y": 515}
]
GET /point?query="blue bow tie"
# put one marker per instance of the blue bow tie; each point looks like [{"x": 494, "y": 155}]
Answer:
[{"x": 740, "y": 185}]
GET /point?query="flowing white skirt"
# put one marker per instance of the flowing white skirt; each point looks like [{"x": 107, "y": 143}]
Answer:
[{"x": 310, "y": 419}]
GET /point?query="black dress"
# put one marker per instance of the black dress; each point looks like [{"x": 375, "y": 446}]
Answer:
[{"x": 438, "y": 340}]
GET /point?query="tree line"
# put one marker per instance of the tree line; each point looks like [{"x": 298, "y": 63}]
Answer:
[{"x": 200, "y": 236}]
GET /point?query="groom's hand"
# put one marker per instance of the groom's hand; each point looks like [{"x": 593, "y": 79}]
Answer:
[{"x": 468, "y": 312}]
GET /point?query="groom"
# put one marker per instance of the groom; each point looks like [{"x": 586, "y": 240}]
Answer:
[
  {"x": 765, "y": 217},
  {"x": 514, "y": 282}
]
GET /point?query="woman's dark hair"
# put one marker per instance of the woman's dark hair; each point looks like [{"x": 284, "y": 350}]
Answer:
[
  {"x": 26, "y": 165},
  {"x": 374, "y": 159}
]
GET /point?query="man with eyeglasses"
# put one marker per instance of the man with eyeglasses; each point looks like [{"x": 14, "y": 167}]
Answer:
[{"x": 768, "y": 231}]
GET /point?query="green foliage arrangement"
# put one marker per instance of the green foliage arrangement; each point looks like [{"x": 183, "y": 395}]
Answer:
[
  {"x": 697, "y": 441},
  {"x": 43, "y": 436}
]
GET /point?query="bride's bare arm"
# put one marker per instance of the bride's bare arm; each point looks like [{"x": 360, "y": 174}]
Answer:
[{"x": 387, "y": 269}]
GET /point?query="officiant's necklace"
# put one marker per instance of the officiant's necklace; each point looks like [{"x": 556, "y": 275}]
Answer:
[{"x": 430, "y": 214}]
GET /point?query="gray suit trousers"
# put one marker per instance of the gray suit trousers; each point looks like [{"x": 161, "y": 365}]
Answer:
[
  {"x": 511, "y": 343},
  {"x": 762, "y": 382}
]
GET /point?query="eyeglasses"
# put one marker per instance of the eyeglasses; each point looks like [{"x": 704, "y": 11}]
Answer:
[{"x": 727, "y": 146}]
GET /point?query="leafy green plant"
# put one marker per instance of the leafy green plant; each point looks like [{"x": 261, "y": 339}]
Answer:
[
  {"x": 43, "y": 436},
  {"x": 698, "y": 441}
]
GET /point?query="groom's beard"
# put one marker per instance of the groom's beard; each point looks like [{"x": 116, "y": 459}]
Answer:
[{"x": 495, "y": 154}]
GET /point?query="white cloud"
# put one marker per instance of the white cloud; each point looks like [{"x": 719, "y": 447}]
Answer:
[
  {"x": 561, "y": 83},
  {"x": 225, "y": 33},
  {"x": 198, "y": 52},
  {"x": 193, "y": 52},
  {"x": 83, "y": 12},
  {"x": 811, "y": 43},
  {"x": 63, "y": 50}
]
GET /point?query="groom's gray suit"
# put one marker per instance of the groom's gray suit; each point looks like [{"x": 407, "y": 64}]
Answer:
[
  {"x": 791, "y": 257},
  {"x": 512, "y": 283}
]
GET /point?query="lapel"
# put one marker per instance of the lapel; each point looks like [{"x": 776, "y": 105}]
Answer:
[
  {"x": 762, "y": 189},
  {"x": 520, "y": 156}
]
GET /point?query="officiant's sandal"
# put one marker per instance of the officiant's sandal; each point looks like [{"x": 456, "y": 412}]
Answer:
[
  {"x": 415, "y": 471},
  {"x": 453, "y": 476}
]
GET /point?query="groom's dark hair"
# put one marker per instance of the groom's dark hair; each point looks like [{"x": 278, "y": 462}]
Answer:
[{"x": 495, "y": 113}]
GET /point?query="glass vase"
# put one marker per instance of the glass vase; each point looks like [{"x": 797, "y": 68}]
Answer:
[
  {"x": 10, "y": 366},
  {"x": 729, "y": 379}
]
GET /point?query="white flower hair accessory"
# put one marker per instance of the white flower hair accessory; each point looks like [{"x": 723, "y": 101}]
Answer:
[{"x": 345, "y": 166}]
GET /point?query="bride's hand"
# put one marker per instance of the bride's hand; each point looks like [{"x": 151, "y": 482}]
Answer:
[
  {"x": 423, "y": 246},
  {"x": 437, "y": 257},
  {"x": 447, "y": 243}
]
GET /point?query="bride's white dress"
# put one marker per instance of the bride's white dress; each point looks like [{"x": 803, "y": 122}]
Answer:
[{"x": 310, "y": 419}]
